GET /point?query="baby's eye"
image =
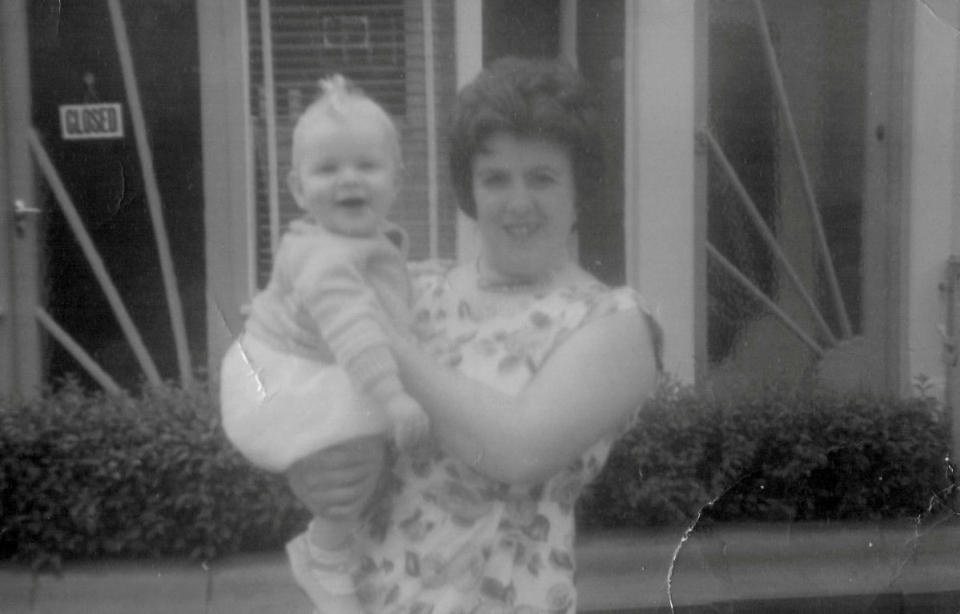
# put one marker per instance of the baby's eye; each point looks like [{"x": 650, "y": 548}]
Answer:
[
  {"x": 368, "y": 165},
  {"x": 493, "y": 180},
  {"x": 326, "y": 168}
]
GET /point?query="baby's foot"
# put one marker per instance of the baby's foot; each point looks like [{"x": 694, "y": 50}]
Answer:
[{"x": 324, "y": 576}]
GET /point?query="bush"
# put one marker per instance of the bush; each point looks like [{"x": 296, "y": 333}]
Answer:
[
  {"x": 775, "y": 456},
  {"x": 89, "y": 475}
]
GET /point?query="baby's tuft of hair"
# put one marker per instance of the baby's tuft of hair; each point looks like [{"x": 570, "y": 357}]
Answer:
[
  {"x": 340, "y": 97},
  {"x": 337, "y": 92}
]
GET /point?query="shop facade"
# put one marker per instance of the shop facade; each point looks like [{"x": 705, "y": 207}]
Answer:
[{"x": 784, "y": 180}]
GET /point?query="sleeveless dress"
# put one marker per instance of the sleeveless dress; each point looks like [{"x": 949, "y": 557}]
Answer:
[{"x": 451, "y": 540}]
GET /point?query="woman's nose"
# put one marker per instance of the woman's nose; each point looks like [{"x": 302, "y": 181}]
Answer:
[{"x": 520, "y": 199}]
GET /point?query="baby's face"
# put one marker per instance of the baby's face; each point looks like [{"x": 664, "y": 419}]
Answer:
[{"x": 345, "y": 178}]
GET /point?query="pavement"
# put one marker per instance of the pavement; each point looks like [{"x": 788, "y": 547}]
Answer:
[{"x": 764, "y": 567}]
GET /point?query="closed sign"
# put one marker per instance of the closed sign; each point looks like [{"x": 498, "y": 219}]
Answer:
[{"x": 91, "y": 121}]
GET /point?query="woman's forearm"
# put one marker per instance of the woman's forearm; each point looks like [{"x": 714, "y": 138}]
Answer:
[
  {"x": 587, "y": 389},
  {"x": 453, "y": 402}
]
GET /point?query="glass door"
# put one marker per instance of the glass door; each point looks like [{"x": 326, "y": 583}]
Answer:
[
  {"x": 793, "y": 224},
  {"x": 114, "y": 131}
]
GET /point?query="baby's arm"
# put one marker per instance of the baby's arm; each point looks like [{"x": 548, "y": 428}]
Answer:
[
  {"x": 374, "y": 370},
  {"x": 349, "y": 317}
]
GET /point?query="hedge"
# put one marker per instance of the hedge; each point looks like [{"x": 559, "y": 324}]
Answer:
[
  {"x": 88, "y": 475},
  {"x": 776, "y": 455}
]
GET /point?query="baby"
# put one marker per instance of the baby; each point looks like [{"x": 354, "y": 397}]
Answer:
[{"x": 313, "y": 367}]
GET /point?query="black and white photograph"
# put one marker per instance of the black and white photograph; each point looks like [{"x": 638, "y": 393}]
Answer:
[{"x": 479, "y": 306}]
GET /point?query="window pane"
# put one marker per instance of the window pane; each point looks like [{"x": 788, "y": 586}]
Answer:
[{"x": 821, "y": 51}]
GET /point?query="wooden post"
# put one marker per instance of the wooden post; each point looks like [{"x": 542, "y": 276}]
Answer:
[
  {"x": 433, "y": 205},
  {"x": 766, "y": 233},
  {"x": 153, "y": 192},
  {"x": 76, "y": 350},
  {"x": 952, "y": 355},
  {"x": 270, "y": 116},
  {"x": 21, "y": 368}
]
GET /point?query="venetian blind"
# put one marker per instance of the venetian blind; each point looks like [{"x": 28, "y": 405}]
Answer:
[{"x": 376, "y": 43}]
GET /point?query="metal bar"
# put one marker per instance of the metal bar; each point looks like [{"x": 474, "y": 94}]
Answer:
[
  {"x": 765, "y": 232},
  {"x": 93, "y": 257},
  {"x": 757, "y": 293},
  {"x": 77, "y": 351},
  {"x": 155, "y": 206},
  {"x": 270, "y": 110},
  {"x": 813, "y": 206},
  {"x": 431, "y": 126}
]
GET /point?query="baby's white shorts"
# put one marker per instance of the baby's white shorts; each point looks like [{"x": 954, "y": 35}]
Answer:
[{"x": 278, "y": 407}]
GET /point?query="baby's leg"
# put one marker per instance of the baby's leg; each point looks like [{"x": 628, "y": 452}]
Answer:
[{"x": 323, "y": 560}]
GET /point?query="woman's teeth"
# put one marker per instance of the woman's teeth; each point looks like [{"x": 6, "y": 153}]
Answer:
[{"x": 520, "y": 231}]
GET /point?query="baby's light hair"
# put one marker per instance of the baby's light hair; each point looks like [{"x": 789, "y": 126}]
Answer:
[
  {"x": 338, "y": 98},
  {"x": 336, "y": 92}
]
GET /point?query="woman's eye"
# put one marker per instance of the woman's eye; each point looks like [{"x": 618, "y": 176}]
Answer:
[
  {"x": 368, "y": 165},
  {"x": 542, "y": 180}
]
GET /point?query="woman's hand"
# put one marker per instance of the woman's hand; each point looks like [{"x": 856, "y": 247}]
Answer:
[{"x": 337, "y": 482}]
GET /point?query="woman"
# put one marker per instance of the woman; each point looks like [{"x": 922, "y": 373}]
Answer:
[{"x": 528, "y": 367}]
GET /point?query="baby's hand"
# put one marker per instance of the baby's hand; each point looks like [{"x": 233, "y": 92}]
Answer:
[{"x": 410, "y": 424}]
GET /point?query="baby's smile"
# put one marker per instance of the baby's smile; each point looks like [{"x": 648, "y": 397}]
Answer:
[{"x": 351, "y": 202}]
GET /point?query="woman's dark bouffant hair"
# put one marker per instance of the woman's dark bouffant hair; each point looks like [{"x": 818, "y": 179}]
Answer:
[{"x": 531, "y": 99}]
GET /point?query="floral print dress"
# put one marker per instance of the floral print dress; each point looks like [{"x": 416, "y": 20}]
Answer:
[{"x": 455, "y": 541}]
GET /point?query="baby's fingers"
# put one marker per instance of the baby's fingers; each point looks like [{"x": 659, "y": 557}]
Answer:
[{"x": 412, "y": 431}]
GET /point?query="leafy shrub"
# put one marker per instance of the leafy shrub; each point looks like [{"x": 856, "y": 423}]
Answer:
[
  {"x": 776, "y": 455},
  {"x": 88, "y": 475}
]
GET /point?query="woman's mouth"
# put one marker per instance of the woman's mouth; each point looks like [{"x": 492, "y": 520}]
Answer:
[{"x": 520, "y": 231}]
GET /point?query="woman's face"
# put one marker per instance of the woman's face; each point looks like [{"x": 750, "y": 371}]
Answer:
[{"x": 525, "y": 195}]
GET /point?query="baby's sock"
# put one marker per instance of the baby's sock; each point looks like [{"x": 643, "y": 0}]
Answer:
[
  {"x": 323, "y": 562},
  {"x": 332, "y": 566}
]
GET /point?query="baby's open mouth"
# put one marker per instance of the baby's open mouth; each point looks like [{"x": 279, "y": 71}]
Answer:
[{"x": 352, "y": 202}]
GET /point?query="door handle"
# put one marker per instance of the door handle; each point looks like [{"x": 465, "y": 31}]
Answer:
[
  {"x": 21, "y": 210},
  {"x": 21, "y": 213}
]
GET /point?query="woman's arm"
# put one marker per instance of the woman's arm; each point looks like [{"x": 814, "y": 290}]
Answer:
[
  {"x": 588, "y": 387},
  {"x": 337, "y": 482}
]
